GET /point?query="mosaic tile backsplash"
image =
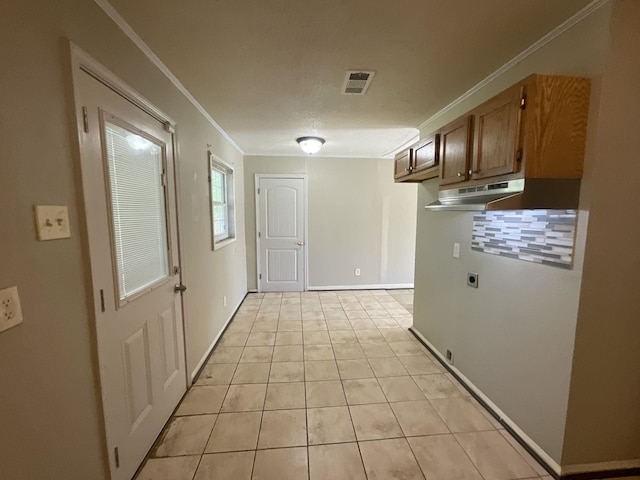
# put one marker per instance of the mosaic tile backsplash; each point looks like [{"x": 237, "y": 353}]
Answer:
[{"x": 540, "y": 236}]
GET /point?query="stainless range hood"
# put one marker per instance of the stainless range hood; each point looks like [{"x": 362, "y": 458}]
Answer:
[{"x": 519, "y": 194}]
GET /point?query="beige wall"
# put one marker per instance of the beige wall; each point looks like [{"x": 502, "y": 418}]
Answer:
[
  {"x": 513, "y": 337},
  {"x": 50, "y": 415},
  {"x": 358, "y": 218},
  {"x": 603, "y": 422}
]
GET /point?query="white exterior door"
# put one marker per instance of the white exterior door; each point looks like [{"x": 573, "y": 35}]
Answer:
[
  {"x": 281, "y": 234},
  {"x": 128, "y": 183}
]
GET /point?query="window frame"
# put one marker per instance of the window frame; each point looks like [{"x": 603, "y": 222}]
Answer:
[
  {"x": 215, "y": 163},
  {"x": 106, "y": 117}
]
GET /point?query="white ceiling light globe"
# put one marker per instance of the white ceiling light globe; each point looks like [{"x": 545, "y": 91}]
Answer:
[{"x": 310, "y": 145}]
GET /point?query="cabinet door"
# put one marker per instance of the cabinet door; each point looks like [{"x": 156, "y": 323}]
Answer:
[
  {"x": 455, "y": 143},
  {"x": 425, "y": 153},
  {"x": 497, "y": 134},
  {"x": 402, "y": 164}
]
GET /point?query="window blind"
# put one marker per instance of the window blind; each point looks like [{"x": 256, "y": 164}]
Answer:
[
  {"x": 138, "y": 209},
  {"x": 219, "y": 197}
]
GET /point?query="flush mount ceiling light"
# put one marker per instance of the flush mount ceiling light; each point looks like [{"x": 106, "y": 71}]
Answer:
[{"x": 310, "y": 145}]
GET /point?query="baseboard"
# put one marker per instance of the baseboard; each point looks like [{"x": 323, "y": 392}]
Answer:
[
  {"x": 209, "y": 351},
  {"x": 587, "y": 471},
  {"x": 253, "y": 290},
  {"x": 379, "y": 286},
  {"x": 532, "y": 447}
]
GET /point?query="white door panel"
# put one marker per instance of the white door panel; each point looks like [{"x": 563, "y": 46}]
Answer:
[
  {"x": 282, "y": 266},
  {"x": 282, "y": 227},
  {"x": 128, "y": 178}
]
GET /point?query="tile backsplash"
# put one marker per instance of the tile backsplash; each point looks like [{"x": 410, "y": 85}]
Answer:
[{"x": 540, "y": 236}]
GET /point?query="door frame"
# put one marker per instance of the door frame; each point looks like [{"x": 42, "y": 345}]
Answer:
[
  {"x": 305, "y": 201},
  {"x": 80, "y": 62}
]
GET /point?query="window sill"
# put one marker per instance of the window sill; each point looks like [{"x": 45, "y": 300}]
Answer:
[{"x": 223, "y": 243}]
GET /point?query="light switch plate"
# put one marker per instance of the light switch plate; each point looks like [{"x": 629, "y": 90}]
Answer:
[
  {"x": 456, "y": 250},
  {"x": 10, "y": 311},
  {"x": 52, "y": 222}
]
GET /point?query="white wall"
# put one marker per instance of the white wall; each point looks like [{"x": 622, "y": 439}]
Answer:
[
  {"x": 513, "y": 337},
  {"x": 50, "y": 414},
  {"x": 358, "y": 218},
  {"x": 603, "y": 421}
]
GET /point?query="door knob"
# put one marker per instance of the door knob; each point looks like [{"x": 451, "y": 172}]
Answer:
[
  {"x": 300, "y": 244},
  {"x": 179, "y": 288}
]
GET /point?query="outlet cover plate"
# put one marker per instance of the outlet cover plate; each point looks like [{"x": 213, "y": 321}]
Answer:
[
  {"x": 10, "y": 310},
  {"x": 52, "y": 222}
]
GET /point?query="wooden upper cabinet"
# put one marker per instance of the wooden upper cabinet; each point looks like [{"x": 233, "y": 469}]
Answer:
[
  {"x": 402, "y": 164},
  {"x": 455, "y": 147},
  {"x": 554, "y": 125},
  {"x": 497, "y": 134},
  {"x": 425, "y": 153},
  {"x": 535, "y": 129},
  {"x": 418, "y": 162}
]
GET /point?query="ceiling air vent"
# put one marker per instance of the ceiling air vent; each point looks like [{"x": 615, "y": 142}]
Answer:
[{"x": 356, "y": 82}]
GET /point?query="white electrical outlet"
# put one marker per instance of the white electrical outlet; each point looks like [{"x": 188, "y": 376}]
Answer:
[
  {"x": 224, "y": 301},
  {"x": 52, "y": 222},
  {"x": 449, "y": 356},
  {"x": 456, "y": 250},
  {"x": 10, "y": 311},
  {"x": 357, "y": 272}
]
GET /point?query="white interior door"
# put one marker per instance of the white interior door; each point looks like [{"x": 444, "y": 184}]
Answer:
[
  {"x": 128, "y": 183},
  {"x": 281, "y": 237}
]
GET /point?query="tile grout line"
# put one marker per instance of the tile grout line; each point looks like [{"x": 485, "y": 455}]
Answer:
[
  {"x": 230, "y": 382},
  {"x": 306, "y": 412},
  {"x": 404, "y": 436},
  {"x": 255, "y": 452},
  {"x": 355, "y": 433}
]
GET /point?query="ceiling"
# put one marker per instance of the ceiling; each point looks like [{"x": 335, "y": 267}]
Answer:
[{"x": 271, "y": 71}]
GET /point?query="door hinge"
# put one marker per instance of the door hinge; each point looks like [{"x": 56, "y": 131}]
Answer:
[
  {"x": 519, "y": 155},
  {"x": 85, "y": 119},
  {"x": 102, "y": 300},
  {"x": 116, "y": 454},
  {"x": 259, "y": 276},
  {"x": 258, "y": 191},
  {"x": 523, "y": 102},
  {"x": 163, "y": 179},
  {"x": 259, "y": 235},
  {"x": 169, "y": 128}
]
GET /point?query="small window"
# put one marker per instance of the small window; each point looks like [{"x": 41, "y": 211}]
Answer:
[
  {"x": 135, "y": 168},
  {"x": 222, "y": 201}
]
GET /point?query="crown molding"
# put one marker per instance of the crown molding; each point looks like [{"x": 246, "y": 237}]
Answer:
[
  {"x": 146, "y": 50},
  {"x": 534, "y": 47}
]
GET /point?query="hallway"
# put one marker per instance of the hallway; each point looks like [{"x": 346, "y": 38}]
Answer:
[{"x": 330, "y": 385}]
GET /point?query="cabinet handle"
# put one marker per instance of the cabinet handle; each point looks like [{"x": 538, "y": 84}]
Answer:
[
  {"x": 460, "y": 174},
  {"x": 470, "y": 172}
]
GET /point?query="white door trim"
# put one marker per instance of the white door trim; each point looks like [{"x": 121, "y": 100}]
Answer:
[
  {"x": 305, "y": 180},
  {"x": 80, "y": 61}
]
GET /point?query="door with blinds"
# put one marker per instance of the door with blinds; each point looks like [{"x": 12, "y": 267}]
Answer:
[{"x": 129, "y": 191}]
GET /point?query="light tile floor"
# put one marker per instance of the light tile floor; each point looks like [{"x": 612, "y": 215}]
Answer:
[{"x": 330, "y": 385}]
